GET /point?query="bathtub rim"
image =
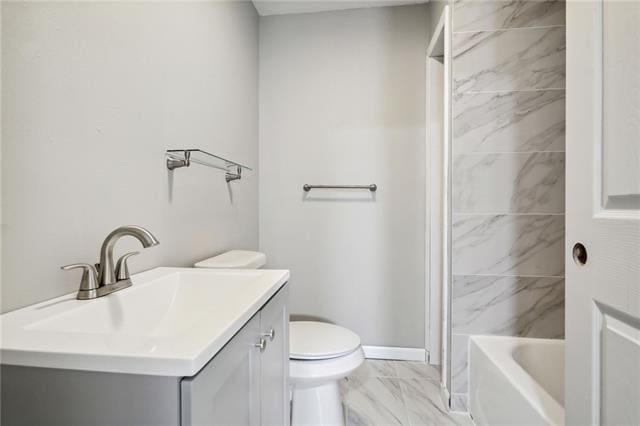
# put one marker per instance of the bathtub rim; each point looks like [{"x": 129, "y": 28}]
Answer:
[{"x": 498, "y": 350}]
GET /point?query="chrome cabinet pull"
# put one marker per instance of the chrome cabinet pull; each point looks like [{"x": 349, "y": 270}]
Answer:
[
  {"x": 262, "y": 344},
  {"x": 271, "y": 335}
]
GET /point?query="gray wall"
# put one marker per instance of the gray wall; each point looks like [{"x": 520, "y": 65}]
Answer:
[
  {"x": 93, "y": 93},
  {"x": 508, "y": 65},
  {"x": 342, "y": 101}
]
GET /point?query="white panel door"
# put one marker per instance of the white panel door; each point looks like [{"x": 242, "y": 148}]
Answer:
[{"x": 603, "y": 213}]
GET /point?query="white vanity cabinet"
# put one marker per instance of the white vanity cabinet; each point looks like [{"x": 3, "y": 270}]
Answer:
[
  {"x": 241, "y": 385},
  {"x": 246, "y": 383}
]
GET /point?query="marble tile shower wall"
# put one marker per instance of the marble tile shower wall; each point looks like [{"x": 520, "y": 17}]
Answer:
[{"x": 507, "y": 174}]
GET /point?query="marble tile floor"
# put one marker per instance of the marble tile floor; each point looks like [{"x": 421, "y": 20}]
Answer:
[{"x": 382, "y": 393}]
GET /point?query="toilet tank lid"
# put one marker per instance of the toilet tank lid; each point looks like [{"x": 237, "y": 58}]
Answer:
[{"x": 235, "y": 259}]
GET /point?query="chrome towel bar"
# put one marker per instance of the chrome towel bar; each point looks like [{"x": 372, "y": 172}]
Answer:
[{"x": 373, "y": 187}]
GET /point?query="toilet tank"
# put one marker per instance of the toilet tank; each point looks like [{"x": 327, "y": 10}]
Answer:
[{"x": 235, "y": 259}]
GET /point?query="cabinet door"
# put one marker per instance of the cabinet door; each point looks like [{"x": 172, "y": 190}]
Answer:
[
  {"x": 275, "y": 360},
  {"x": 227, "y": 390}
]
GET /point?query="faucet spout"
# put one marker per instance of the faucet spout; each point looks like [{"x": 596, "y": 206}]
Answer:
[{"x": 107, "y": 273}]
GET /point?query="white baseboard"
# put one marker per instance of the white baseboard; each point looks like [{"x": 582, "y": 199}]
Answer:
[{"x": 390, "y": 352}]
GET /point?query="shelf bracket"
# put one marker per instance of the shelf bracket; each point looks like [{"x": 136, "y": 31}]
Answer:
[
  {"x": 234, "y": 176},
  {"x": 174, "y": 163}
]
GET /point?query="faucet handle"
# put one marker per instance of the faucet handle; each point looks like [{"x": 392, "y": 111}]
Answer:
[
  {"x": 89, "y": 275},
  {"x": 122, "y": 268}
]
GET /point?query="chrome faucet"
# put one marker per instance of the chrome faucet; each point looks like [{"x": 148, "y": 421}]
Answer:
[
  {"x": 104, "y": 278},
  {"x": 107, "y": 273}
]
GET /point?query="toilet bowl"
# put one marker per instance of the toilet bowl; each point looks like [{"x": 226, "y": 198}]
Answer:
[{"x": 320, "y": 355}]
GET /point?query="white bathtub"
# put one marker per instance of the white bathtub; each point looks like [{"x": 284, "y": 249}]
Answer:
[{"x": 516, "y": 381}]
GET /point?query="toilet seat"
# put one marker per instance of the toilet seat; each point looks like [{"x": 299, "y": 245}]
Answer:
[
  {"x": 312, "y": 340},
  {"x": 304, "y": 372}
]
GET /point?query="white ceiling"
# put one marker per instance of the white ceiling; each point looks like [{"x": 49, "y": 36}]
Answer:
[{"x": 281, "y": 7}]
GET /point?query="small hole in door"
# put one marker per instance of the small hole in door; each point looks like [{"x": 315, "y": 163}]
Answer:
[{"x": 580, "y": 254}]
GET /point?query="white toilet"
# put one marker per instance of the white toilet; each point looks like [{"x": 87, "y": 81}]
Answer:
[{"x": 320, "y": 355}]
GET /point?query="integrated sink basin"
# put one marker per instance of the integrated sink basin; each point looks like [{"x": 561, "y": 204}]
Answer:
[{"x": 170, "y": 322}]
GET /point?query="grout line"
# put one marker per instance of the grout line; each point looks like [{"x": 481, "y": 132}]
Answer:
[
  {"x": 506, "y": 214},
  {"x": 403, "y": 396},
  {"x": 506, "y": 152},
  {"x": 394, "y": 366},
  {"x": 396, "y": 373},
  {"x": 480, "y": 92},
  {"x": 509, "y": 276},
  {"x": 495, "y": 30}
]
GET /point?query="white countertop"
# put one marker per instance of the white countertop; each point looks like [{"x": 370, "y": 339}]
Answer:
[{"x": 170, "y": 322}]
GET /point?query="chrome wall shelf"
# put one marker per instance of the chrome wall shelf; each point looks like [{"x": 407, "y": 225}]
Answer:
[{"x": 177, "y": 158}]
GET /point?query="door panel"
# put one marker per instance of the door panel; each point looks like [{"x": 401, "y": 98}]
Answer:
[
  {"x": 227, "y": 390},
  {"x": 603, "y": 213},
  {"x": 620, "y": 352},
  {"x": 275, "y": 361},
  {"x": 621, "y": 104}
]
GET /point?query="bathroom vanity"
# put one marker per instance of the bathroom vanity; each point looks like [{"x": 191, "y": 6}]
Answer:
[{"x": 179, "y": 347}]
